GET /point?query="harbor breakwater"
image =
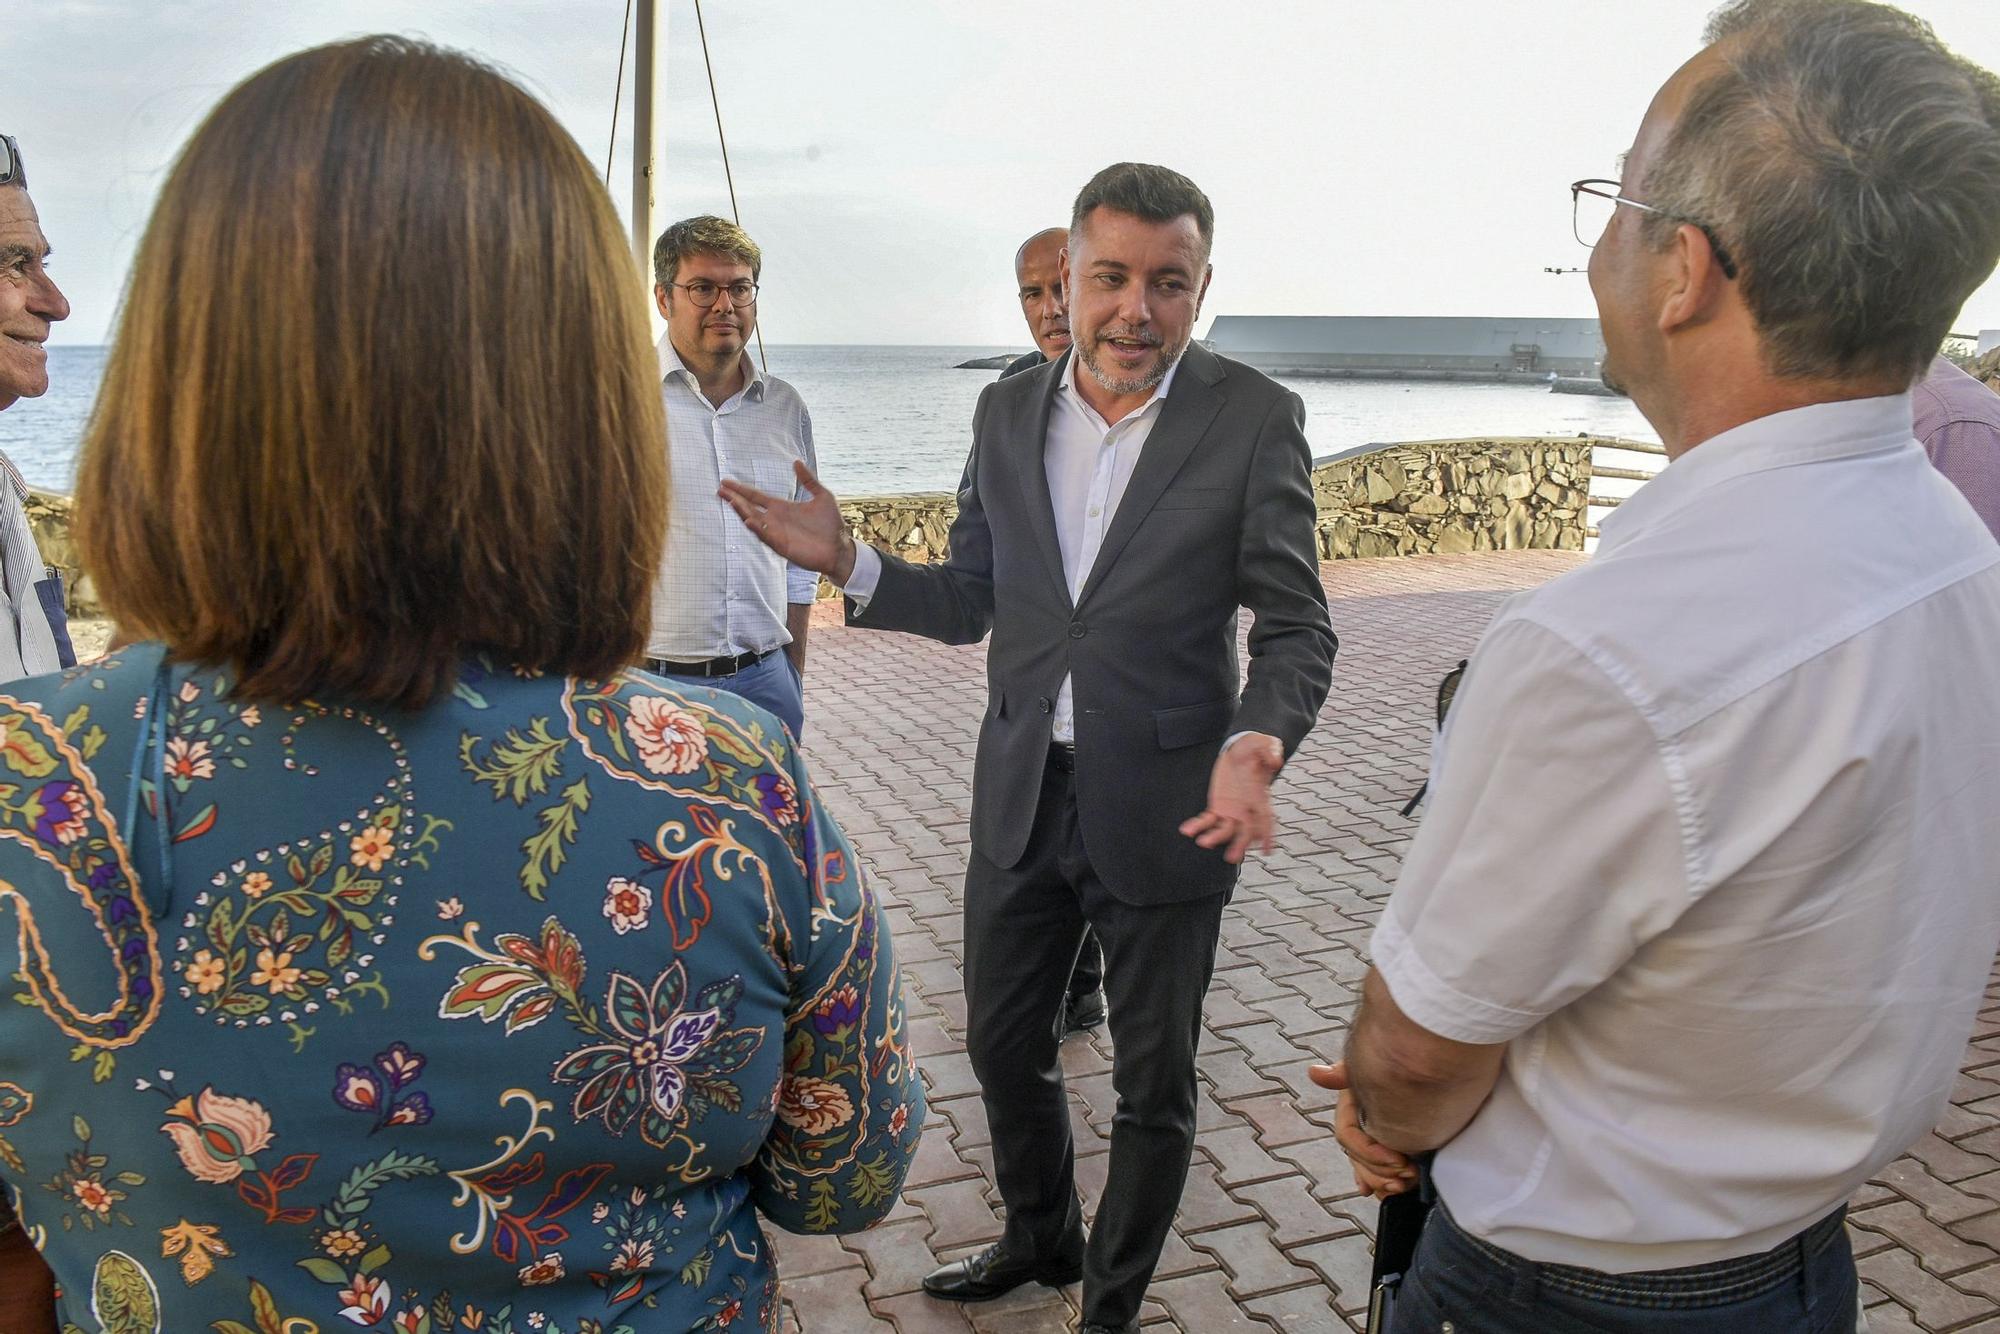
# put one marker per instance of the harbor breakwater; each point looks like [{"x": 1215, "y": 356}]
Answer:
[{"x": 1501, "y": 493}]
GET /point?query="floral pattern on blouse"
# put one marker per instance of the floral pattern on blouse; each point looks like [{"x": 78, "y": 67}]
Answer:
[{"x": 510, "y": 1017}]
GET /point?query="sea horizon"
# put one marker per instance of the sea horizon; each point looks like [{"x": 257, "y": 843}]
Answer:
[{"x": 896, "y": 418}]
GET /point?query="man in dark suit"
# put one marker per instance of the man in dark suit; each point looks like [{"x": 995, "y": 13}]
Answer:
[
  {"x": 1118, "y": 508},
  {"x": 1038, "y": 278}
]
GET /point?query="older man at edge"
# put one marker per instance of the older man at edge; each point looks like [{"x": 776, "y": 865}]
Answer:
[{"x": 1691, "y": 938}]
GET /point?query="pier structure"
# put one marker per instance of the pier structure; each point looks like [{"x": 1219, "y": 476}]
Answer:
[{"x": 1411, "y": 347}]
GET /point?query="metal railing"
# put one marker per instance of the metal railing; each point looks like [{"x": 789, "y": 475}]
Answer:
[{"x": 1616, "y": 472}]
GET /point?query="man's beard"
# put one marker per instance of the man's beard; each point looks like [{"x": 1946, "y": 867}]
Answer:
[{"x": 1086, "y": 351}]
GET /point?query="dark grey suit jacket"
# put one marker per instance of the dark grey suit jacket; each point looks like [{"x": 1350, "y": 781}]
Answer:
[
  {"x": 1218, "y": 515},
  {"x": 1024, "y": 363}
]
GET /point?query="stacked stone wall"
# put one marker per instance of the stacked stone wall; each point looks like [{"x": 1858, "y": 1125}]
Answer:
[
  {"x": 1504, "y": 493},
  {"x": 1499, "y": 493}
]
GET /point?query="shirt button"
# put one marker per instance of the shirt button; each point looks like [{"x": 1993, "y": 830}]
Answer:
[
  {"x": 1076, "y": 630},
  {"x": 1045, "y": 704},
  {"x": 1096, "y": 510}
]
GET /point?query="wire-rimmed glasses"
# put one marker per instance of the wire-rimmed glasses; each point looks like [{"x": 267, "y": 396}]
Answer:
[{"x": 1592, "y": 203}]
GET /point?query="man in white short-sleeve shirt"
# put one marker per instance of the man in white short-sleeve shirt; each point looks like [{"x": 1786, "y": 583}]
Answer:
[{"x": 1694, "y": 931}]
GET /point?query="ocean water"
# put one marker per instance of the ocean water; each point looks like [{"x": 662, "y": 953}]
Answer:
[{"x": 899, "y": 419}]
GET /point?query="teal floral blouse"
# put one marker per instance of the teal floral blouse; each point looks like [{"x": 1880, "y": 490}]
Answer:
[{"x": 506, "y": 1017}]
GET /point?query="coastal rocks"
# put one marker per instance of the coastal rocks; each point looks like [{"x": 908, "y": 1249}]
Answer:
[{"x": 999, "y": 363}]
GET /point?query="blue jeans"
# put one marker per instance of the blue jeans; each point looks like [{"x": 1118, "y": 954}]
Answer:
[
  {"x": 1806, "y": 1285},
  {"x": 773, "y": 683}
]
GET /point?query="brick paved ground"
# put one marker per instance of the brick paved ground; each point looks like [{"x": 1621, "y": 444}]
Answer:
[{"x": 1271, "y": 1234}]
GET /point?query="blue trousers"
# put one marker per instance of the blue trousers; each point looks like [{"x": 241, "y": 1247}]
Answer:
[
  {"x": 1806, "y": 1285},
  {"x": 773, "y": 683}
]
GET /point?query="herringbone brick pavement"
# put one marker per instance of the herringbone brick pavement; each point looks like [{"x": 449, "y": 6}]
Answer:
[{"x": 1271, "y": 1233}]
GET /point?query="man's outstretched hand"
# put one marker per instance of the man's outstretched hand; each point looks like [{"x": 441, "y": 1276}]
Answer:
[
  {"x": 1238, "y": 816},
  {"x": 809, "y": 533}
]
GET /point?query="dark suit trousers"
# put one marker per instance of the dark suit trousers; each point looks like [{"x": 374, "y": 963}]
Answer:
[{"x": 1023, "y": 926}]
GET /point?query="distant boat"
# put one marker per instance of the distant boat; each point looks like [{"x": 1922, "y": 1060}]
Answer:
[
  {"x": 997, "y": 363},
  {"x": 1589, "y": 385}
]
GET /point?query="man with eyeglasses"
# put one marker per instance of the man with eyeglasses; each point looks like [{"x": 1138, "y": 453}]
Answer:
[
  {"x": 1690, "y": 941},
  {"x": 727, "y": 611}
]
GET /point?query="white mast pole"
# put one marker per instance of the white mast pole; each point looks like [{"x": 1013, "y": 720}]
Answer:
[{"x": 649, "y": 39}]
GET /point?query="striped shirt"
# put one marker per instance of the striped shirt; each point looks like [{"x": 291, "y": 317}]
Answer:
[{"x": 721, "y": 591}]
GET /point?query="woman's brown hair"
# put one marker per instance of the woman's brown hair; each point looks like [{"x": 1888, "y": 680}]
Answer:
[{"x": 381, "y": 391}]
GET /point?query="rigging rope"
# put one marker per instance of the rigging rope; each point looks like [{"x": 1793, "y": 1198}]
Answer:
[
  {"x": 714, "y": 102},
  {"x": 617, "y": 92}
]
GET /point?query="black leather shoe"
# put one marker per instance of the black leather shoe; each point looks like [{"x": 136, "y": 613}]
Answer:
[
  {"x": 984, "y": 1275},
  {"x": 1082, "y": 1013}
]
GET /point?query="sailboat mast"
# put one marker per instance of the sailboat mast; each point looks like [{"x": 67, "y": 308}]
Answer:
[{"x": 650, "y": 39}]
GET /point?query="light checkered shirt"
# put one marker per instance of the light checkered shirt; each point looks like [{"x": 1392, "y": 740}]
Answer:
[{"x": 722, "y": 592}]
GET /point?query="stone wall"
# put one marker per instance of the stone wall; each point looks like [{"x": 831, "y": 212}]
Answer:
[
  {"x": 1500, "y": 493},
  {"x": 1504, "y": 494},
  {"x": 49, "y": 515}
]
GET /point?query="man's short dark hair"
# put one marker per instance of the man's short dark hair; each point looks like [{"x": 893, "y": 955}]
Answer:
[
  {"x": 1157, "y": 194},
  {"x": 703, "y": 235},
  {"x": 1850, "y": 163}
]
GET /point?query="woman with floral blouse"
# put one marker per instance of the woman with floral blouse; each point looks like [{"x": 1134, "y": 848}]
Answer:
[{"x": 382, "y": 952}]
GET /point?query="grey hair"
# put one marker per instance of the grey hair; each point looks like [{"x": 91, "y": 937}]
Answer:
[
  {"x": 1850, "y": 164},
  {"x": 1157, "y": 194}
]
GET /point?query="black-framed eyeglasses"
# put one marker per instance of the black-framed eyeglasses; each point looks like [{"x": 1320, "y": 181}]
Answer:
[
  {"x": 10, "y": 159},
  {"x": 703, "y": 292},
  {"x": 1593, "y": 202}
]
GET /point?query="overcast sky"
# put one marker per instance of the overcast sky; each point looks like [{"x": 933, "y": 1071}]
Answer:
[{"x": 1364, "y": 159}]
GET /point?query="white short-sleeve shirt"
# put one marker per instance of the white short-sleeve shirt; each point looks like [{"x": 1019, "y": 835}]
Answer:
[{"x": 1714, "y": 846}]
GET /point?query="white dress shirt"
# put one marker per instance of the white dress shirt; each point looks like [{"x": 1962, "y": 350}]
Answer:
[
  {"x": 1088, "y": 461},
  {"x": 722, "y": 592},
  {"x": 1712, "y": 847}
]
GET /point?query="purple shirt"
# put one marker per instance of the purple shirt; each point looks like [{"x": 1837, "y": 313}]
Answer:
[{"x": 1958, "y": 421}]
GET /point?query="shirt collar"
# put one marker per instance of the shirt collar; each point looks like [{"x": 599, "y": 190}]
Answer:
[
  {"x": 1068, "y": 385},
  {"x": 1816, "y": 433},
  {"x": 671, "y": 364}
]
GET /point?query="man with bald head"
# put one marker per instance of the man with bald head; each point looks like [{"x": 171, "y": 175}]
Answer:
[
  {"x": 1656, "y": 1056},
  {"x": 1038, "y": 278}
]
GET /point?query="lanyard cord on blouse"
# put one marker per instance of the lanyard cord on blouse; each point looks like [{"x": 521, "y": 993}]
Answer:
[{"x": 151, "y": 734}]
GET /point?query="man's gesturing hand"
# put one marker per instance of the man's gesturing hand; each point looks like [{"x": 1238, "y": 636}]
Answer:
[
  {"x": 1239, "y": 798},
  {"x": 808, "y": 533}
]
